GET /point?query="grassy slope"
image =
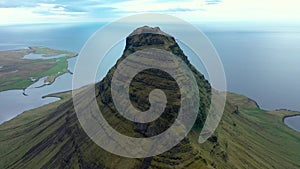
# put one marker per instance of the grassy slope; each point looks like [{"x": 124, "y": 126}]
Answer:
[
  {"x": 12, "y": 60},
  {"x": 12, "y": 134},
  {"x": 253, "y": 138}
]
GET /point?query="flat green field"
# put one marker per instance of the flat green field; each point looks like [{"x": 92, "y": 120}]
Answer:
[{"x": 19, "y": 73}]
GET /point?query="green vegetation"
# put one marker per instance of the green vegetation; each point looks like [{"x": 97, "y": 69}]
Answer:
[
  {"x": 19, "y": 73},
  {"x": 52, "y": 136},
  {"x": 254, "y": 138},
  {"x": 247, "y": 137},
  {"x": 60, "y": 68},
  {"x": 48, "y": 52},
  {"x": 18, "y": 126}
]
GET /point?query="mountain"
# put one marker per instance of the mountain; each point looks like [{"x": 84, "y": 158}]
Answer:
[{"x": 247, "y": 137}]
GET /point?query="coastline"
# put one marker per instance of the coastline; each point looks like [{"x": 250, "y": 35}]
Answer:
[
  {"x": 52, "y": 74},
  {"x": 27, "y": 91},
  {"x": 288, "y": 116}
]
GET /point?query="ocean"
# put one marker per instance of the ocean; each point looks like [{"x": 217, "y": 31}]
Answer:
[{"x": 261, "y": 62}]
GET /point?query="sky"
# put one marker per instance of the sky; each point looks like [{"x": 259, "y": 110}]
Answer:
[{"x": 62, "y": 11}]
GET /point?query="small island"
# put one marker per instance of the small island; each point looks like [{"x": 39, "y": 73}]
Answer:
[{"x": 18, "y": 71}]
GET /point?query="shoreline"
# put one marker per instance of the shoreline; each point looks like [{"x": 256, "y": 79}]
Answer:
[
  {"x": 23, "y": 90},
  {"x": 288, "y": 116},
  {"x": 50, "y": 77},
  {"x": 297, "y": 114}
]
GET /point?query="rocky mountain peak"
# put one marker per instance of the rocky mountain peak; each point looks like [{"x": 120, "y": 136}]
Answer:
[{"x": 148, "y": 29}]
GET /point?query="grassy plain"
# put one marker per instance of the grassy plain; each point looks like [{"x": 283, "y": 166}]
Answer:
[{"x": 19, "y": 73}]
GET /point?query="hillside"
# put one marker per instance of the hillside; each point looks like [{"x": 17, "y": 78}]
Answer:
[{"x": 247, "y": 137}]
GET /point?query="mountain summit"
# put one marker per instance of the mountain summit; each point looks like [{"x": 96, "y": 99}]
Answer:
[
  {"x": 148, "y": 29},
  {"x": 147, "y": 80}
]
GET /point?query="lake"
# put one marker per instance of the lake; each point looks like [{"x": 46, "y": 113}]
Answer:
[{"x": 261, "y": 62}]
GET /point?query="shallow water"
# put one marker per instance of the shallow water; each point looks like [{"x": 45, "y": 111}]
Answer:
[
  {"x": 39, "y": 56},
  {"x": 293, "y": 122},
  {"x": 14, "y": 102},
  {"x": 6, "y": 46}
]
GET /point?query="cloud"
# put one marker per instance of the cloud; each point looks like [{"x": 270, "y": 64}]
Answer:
[
  {"x": 56, "y": 9},
  {"x": 212, "y": 2},
  {"x": 93, "y": 10},
  {"x": 158, "y": 5},
  {"x": 37, "y": 11}
]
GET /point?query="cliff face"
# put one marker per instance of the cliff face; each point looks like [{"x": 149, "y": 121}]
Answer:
[
  {"x": 52, "y": 137},
  {"x": 150, "y": 79},
  {"x": 142, "y": 84}
]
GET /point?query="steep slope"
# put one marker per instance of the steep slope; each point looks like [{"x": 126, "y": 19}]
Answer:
[
  {"x": 252, "y": 138},
  {"x": 51, "y": 136}
]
